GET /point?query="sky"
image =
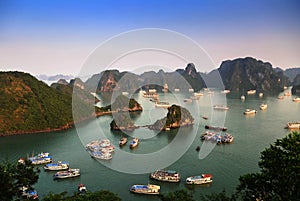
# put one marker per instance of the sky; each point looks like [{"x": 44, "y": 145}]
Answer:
[{"x": 58, "y": 36}]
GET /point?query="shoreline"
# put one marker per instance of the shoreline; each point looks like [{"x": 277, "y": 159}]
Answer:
[{"x": 68, "y": 126}]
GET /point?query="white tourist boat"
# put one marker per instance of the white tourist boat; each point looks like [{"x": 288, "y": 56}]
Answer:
[
  {"x": 201, "y": 179},
  {"x": 297, "y": 99},
  {"x": 293, "y": 125},
  {"x": 161, "y": 104},
  {"x": 81, "y": 189},
  {"x": 243, "y": 97},
  {"x": 134, "y": 143},
  {"x": 251, "y": 92},
  {"x": 67, "y": 174},
  {"x": 57, "y": 166},
  {"x": 101, "y": 155},
  {"x": 250, "y": 111},
  {"x": 263, "y": 106},
  {"x": 220, "y": 107},
  {"x": 41, "y": 158},
  {"x": 166, "y": 175},
  {"x": 260, "y": 95},
  {"x": 149, "y": 189},
  {"x": 197, "y": 94},
  {"x": 226, "y": 91}
]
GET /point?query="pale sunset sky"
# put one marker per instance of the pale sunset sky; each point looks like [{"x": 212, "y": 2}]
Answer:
[{"x": 56, "y": 36}]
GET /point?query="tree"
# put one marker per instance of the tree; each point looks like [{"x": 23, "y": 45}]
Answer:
[
  {"x": 177, "y": 196},
  {"x": 218, "y": 197},
  {"x": 15, "y": 176},
  {"x": 279, "y": 178},
  {"x": 102, "y": 195}
]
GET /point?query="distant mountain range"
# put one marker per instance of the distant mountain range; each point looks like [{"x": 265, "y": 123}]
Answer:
[
  {"x": 30, "y": 105},
  {"x": 237, "y": 75},
  {"x": 54, "y": 78}
]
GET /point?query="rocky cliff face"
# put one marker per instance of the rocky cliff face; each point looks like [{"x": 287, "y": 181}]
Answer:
[
  {"x": 177, "y": 116},
  {"x": 249, "y": 73}
]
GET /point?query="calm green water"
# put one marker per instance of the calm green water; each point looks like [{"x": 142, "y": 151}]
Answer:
[{"x": 226, "y": 162}]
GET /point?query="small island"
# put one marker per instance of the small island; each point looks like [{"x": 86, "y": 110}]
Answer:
[
  {"x": 119, "y": 109},
  {"x": 177, "y": 116}
]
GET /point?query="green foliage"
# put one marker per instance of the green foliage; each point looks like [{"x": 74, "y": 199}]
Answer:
[
  {"x": 102, "y": 195},
  {"x": 31, "y": 105},
  {"x": 279, "y": 178},
  {"x": 178, "y": 195},
  {"x": 15, "y": 176},
  {"x": 218, "y": 197}
]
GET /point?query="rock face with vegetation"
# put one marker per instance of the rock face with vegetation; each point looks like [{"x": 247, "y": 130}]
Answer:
[
  {"x": 249, "y": 73},
  {"x": 29, "y": 105},
  {"x": 120, "y": 108},
  {"x": 176, "y": 117}
]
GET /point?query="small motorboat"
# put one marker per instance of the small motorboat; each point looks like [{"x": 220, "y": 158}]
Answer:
[
  {"x": 81, "y": 189},
  {"x": 134, "y": 143},
  {"x": 123, "y": 141},
  {"x": 263, "y": 106}
]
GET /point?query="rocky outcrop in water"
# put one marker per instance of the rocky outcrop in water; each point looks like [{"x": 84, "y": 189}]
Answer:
[{"x": 177, "y": 116}]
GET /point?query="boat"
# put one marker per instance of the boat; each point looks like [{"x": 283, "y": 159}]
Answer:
[
  {"x": 201, "y": 179},
  {"x": 243, "y": 97},
  {"x": 162, "y": 104},
  {"x": 260, "y": 95},
  {"x": 81, "y": 189},
  {"x": 293, "y": 125},
  {"x": 150, "y": 95},
  {"x": 297, "y": 99},
  {"x": 41, "y": 158},
  {"x": 208, "y": 135},
  {"x": 166, "y": 175},
  {"x": 96, "y": 145},
  {"x": 280, "y": 97},
  {"x": 227, "y": 138},
  {"x": 191, "y": 90},
  {"x": 149, "y": 189},
  {"x": 176, "y": 90},
  {"x": 263, "y": 106},
  {"x": 198, "y": 148},
  {"x": 205, "y": 117},
  {"x": 198, "y": 94},
  {"x": 125, "y": 93},
  {"x": 226, "y": 91},
  {"x": 57, "y": 166},
  {"x": 29, "y": 193},
  {"x": 67, "y": 174},
  {"x": 250, "y": 111},
  {"x": 220, "y": 107},
  {"x": 123, "y": 141},
  {"x": 251, "y": 92},
  {"x": 287, "y": 94},
  {"x": 216, "y": 128},
  {"x": 101, "y": 155},
  {"x": 188, "y": 100},
  {"x": 134, "y": 143}
]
